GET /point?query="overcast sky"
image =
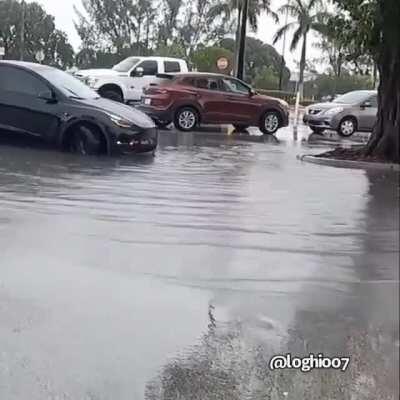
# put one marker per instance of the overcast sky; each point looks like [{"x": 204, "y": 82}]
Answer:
[{"x": 64, "y": 14}]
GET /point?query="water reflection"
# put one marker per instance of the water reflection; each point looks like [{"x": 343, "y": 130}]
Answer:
[
  {"x": 181, "y": 275},
  {"x": 358, "y": 318}
]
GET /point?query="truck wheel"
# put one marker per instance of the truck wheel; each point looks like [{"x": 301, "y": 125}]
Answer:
[
  {"x": 162, "y": 124},
  {"x": 112, "y": 94},
  {"x": 240, "y": 127}
]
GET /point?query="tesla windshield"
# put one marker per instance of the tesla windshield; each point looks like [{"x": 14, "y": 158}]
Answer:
[
  {"x": 69, "y": 85},
  {"x": 126, "y": 65}
]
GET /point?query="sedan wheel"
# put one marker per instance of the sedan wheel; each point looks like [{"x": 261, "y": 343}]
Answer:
[
  {"x": 186, "y": 119},
  {"x": 347, "y": 127},
  {"x": 270, "y": 123}
]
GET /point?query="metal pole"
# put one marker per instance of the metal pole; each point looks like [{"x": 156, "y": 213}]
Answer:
[
  {"x": 22, "y": 48},
  {"x": 283, "y": 53},
  {"x": 242, "y": 40}
]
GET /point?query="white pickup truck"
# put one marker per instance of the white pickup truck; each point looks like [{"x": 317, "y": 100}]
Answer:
[{"x": 126, "y": 80}]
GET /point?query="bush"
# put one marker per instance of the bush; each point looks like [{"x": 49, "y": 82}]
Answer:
[
  {"x": 327, "y": 85},
  {"x": 266, "y": 79}
]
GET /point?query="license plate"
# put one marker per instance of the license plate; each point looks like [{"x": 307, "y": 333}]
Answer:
[{"x": 147, "y": 101}]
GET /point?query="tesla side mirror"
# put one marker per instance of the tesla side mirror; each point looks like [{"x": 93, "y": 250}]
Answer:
[
  {"x": 366, "y": 104},
  {"x": 49, "y": 96},
  {"x": 139, "y": 72},
  {"x": 252, "y": 92}
]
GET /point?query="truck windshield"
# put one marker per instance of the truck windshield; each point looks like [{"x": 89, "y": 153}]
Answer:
[{"x": 126, "y": 65}]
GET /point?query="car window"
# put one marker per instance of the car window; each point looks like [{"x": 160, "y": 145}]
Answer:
[
  {"x": 150, "y": 68},
  {"x": 355, "y": 97},
  {"x": 126, "y": 65},
  {"x": 374, "y": 101},
  {"x": 235, "y": 86},
  {"x": 188, "y": 81},
  {"x": 172, "y": 66},
  {"x": 19, "y": 81},
  {"x": 208, "y": 83}
]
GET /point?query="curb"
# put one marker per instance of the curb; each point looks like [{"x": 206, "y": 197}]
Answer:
[{"x": 333, "y": 162}]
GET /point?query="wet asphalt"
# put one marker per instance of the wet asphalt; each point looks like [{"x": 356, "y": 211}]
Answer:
[{"x": 180, "y": 276}]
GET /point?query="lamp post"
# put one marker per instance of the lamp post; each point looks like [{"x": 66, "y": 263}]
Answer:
[
  {"x": 22, "y": 33},
  {"x": 242, "y": 40}
]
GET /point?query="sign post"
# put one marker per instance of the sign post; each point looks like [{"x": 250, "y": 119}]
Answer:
[{"x": 2, "y": 52}]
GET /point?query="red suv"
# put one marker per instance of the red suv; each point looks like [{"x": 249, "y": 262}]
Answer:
[{"x": 192, "y": 98}]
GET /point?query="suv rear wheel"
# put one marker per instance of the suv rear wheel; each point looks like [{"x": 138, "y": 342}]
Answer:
[
  {"x": 186, "y": 119},
  {"x": 270, "y": 122}
]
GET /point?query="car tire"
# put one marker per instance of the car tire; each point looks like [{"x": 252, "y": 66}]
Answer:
[
  {"x": 347, "y": 127},
  {"x": 270, "y": 122},
  {"x": 112, "y": 94},
  {"x": 240, "y": 128},
  {"x": 186, "y": 119},
  {"x": 85, "y": 141}
]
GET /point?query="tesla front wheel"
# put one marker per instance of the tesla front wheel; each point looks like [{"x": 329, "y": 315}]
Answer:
[
  {"x": 186, "y": 119},
  {"x": 85, "y": 141},
  {"x": 270, "y": 123}
]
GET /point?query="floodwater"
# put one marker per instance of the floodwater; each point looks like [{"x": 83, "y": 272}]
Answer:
[{"x": 179, "y": 277}]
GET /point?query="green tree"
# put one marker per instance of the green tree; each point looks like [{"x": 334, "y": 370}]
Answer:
[
  {"x": 205, "y": 59},
  {"x": 40, "y": 34},
  {"x": 267, "y": 78},
  {"x": 373, "y": 28},
  {"x": 308, "y": 16},
  {"x": 259, "y": 56}
]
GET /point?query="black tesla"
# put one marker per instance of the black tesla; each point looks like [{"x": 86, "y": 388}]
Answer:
[{"x": 45, "y": 102}]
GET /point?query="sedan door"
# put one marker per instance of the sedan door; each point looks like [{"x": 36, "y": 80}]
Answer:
[
  {"x": 368, "y": 114},
  {"x": 21, "y": 109},
  {"x": 239, "y": 106}
]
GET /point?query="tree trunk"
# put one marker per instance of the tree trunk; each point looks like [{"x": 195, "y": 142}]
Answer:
[
  {"x": 384, "y": 142},
  {"x": 302, "y": 66}
]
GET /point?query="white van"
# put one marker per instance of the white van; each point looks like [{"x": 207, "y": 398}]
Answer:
[{"x": 126, "y": 80}]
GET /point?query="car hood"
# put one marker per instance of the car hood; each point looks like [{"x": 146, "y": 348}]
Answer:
[
  {"x": 131, "y": 114},
  {"x": 98, "y": 72}
]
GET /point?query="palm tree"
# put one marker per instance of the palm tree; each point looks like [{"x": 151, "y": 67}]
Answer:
[
  {"x": 232, "y": 9},
  {"x": 308, "y": 16}
]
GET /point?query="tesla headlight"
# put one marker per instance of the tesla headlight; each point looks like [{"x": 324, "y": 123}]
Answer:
[
  {"x": 121, "y": 122},
  {"x": 333, "y": 111}
]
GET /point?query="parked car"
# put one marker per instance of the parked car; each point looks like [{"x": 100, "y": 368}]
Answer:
[
  {"x": 53, "y": 105},
  {"x": 126, "y": 80},
  {"x": 193, "y": 98},
  {"x": 351, "y": 112}
]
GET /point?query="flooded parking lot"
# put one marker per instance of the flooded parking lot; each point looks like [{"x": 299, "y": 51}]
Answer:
[{"x": 180, "y": 276}]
